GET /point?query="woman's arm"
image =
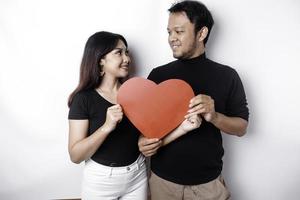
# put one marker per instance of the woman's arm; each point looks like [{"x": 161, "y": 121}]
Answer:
[
  {"x": 186, "y": 126},
  {"x": 82, "y": 147},
  {"x": 149, "y": 146}
]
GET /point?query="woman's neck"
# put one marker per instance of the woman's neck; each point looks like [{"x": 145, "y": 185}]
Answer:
[
  {"x": 108, "y": 89},
  {"x": 109, "y": 85}
]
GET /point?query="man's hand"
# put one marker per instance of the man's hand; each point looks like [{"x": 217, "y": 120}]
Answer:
[
  {"x": 203, "y": 105},
  {"x": 149, "y": 147}
]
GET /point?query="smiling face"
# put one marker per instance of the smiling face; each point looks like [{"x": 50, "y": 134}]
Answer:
[
  {"x": 116, "y": 63},
  {"x": 182, "y": 39}
]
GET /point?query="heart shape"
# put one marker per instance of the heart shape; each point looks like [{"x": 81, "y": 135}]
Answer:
[{"x": 155, "y": 110}]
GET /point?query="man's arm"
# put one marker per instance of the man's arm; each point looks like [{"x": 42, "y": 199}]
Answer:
[
  {"x": 205, "y": 106},
  {"x": 230, "y": 125}
]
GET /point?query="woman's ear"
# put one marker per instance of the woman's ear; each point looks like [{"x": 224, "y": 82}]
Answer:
[
  {"x": 102, "y": 61},
  {"x": 101, "y": 64},
  {"x": 102, "y": 73}
]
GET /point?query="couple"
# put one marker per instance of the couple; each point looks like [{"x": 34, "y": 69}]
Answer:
[{"x": 187, "y": 163}]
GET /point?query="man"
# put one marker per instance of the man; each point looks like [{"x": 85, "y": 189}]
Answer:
[{"x": 188, "y": 166}]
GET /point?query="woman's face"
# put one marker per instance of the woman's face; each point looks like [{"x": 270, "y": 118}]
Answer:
[{"x": 116, "y": 63}]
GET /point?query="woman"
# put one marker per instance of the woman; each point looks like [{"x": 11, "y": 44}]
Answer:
[{"x": 98, "y": 132}]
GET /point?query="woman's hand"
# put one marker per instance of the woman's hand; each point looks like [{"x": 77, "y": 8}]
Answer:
[
  {"x": 191, "y": 123},
  {"x": 114, "y": 115}
]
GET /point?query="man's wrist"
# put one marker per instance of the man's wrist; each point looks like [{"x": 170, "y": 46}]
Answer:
[{"x": 215, "y": 119}]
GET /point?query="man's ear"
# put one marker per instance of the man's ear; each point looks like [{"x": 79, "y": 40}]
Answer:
[{"x": 202, "y": 34}]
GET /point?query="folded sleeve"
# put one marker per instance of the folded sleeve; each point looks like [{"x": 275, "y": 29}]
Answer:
[
  {"x": 236, "y": 105},
  {"x": 79, "y": 107}
]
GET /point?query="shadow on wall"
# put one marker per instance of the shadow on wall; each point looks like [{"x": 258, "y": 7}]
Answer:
[
  {"x": 133, "y": 71},
  {"x": 230, "y": 159},
  {"x": 230, "y": 144}
]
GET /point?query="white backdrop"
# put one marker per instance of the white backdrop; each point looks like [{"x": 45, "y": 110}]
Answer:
[{"x": 41, "y": 44}]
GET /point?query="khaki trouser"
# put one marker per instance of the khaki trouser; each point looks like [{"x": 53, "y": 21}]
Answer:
[{"x": 161, "y": 189}]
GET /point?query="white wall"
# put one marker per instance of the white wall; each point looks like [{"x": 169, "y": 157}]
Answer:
[{"x": 41, "y": 44}]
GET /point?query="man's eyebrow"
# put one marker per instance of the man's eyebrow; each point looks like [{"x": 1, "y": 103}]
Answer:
[{"x": 175, "y": 27}]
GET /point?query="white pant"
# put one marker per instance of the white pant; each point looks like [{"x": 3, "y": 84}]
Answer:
[{"x": 102, "y": 182}]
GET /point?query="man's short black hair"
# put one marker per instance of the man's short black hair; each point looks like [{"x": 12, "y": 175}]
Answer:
[{"x": 197, "y": 13}]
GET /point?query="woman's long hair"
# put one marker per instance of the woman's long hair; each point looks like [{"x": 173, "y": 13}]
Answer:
[{"x": 97, "y": 46}]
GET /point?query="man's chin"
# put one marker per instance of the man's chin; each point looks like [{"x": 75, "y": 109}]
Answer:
[{"x": 177, "y": 55}]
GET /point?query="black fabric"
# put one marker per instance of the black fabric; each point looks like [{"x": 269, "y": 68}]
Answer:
[
  {"x": 120, "y": 148},
  {"x": 196, "y": 157}
]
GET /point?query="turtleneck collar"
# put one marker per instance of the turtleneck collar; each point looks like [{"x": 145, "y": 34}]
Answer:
[{"x": 194, "y": 60}]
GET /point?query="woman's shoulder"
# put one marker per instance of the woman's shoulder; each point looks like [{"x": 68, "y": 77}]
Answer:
[
  {"x": 85, "y": 93},
  {"x": 84, "y": 96}
]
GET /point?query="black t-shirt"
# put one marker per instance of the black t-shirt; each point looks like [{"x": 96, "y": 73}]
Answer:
[
  {"x": 120, "y": 148},
  {"x": 196, "y": 157}
]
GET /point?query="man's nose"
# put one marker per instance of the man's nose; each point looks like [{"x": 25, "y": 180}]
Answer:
[{"x": 172, "y": 37}]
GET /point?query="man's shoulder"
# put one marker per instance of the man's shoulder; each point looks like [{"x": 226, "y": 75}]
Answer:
[
  {"x": 168, "y": 66},
  {"x": 162, "y": 72},
  {"x": 221, "y": 68}
]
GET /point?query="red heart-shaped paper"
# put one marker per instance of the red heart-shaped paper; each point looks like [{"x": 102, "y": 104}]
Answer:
[{"x": 155, "y": 110}]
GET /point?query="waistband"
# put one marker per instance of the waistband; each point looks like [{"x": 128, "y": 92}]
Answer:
[{"x": 139, "y": 163}]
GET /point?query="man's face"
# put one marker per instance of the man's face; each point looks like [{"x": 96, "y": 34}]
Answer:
[{"x": 182, "y": 37}]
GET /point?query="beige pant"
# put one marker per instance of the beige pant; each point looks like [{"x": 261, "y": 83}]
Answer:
[{"x": 161, "y": 189}]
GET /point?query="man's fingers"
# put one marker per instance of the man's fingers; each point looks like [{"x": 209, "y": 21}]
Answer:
[
  {"x": 196, "y": 100},
  {"x": 194, "y": 113},
  {"x": 150, "y": 147},
  {"x": 150, "y": 152},
  {"x": 195, "y": 108},
  {"x": 199, "y": 99},
  {"x": 147, "y": 141}
]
